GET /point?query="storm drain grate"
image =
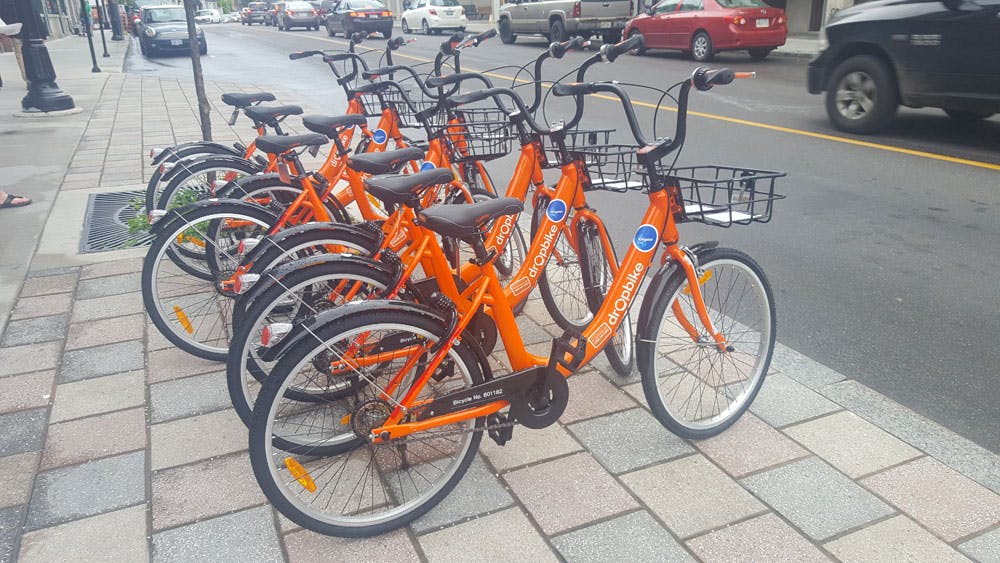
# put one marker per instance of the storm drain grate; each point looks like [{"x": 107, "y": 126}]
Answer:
[{"x": 105, "y": 225}]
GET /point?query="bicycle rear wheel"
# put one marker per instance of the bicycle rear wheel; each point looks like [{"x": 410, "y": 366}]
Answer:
[
  {"x": 694, "y": 388},
  {"x": 317, "y": 463},
  {"x": 561, "y": 282}
]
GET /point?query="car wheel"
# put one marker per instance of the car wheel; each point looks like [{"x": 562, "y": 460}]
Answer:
[
  {"x": 405, "y": 26},
  {"x": 203, "y": 50},
  {"x": 557, "y": 31},
  {"x": 641, "y": 50},
  {"x": 963, "y": 116},
  {"x": 142, "y": 47},
  {"x": 506, "y": 33},
  {"x": 759, "y": 54},
  {"x": 701, "y": 47},
  {"x": 426, "y": 29},
  {"x": 861, "y": 95},
  {"x": 330, "y": 31}
]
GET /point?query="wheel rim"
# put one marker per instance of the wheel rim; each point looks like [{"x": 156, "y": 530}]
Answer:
[
  {"x": 361, "y": 467},
  {"x": 700, "y": 46},
  {"x": 406, "y": 28},
  {"x": 201, "y": 184},
  {"x": 426, "y": 28},
  {"x": 856, "y": 95},
  {"x": 700, "y": 386}
]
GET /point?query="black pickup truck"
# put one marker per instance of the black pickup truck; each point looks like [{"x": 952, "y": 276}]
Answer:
[{"x": 918, "y": 53}]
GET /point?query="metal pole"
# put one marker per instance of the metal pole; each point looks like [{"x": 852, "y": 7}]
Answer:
[
  {"x": 89, "y": 31},
  {"x": 100, "y": 21},
  {"x": 43, "y": 92},
  {"x": 116, "y": 21}
]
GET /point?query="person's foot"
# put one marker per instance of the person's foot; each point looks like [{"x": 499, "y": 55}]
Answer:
[{"x": 10, "y": 200}]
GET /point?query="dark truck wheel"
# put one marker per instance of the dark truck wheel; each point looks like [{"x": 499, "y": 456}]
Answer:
[
  {"x": 557, "y": 31},
  {"x": 861, "y": 95},
  {"x": 506, "y": 34}
]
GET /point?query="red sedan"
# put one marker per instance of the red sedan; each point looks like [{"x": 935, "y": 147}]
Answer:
[{"x": 705, "y": 27}]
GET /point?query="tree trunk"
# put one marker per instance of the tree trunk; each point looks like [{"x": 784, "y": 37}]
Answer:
[{"x": 204, "y": 109}]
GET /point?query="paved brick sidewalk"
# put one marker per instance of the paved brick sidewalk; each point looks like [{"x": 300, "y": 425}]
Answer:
[{"x": 116, "y": 446}]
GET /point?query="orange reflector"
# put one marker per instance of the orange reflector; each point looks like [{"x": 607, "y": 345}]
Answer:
[
  {"x": 346, "y": 420},
  {"x": 300, "y": 474},
  {"x": 182, "y": 238},
  {"x": 183, "y": 319},
  {"x": 701, "y": 281}
]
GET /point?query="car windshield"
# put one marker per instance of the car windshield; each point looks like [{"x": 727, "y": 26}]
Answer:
[
  {"x": 163, "y": 15},
  {"x": 444, "y": 3},
  {"x": 366, "y": 5},
  {"x": 742, "y": 4},
  {"x": 298, "y": 6}
]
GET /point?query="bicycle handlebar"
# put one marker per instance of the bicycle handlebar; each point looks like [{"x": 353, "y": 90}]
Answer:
[{"x": 611, "y": 52}]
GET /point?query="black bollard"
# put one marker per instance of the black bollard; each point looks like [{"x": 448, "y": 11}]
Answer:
[
  {"x": 43, "y": 92},
  {"x": 89, "y": 32},
  {"x": 100, "y": 21}
]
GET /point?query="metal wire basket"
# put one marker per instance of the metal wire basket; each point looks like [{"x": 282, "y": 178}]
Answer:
[
  {"x": 478, "y": 134},
  {"x": 725, "y": 195},
  {"x": 371, "y": 102},
  {"x": 576, "y": 140},
  {"x": 611, "y": 167}
]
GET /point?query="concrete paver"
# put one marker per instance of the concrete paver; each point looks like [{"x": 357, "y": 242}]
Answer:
[
  {"x": 763, "y": 538},
  {"x": 749, "y": 445},
  {"x": 26, "y": 391},
  {"x": 242, "y": 536},
  {"x": 87, "y": 539},
  {"x": 494, "y": 538},
  {"x": 627, "y": 440},
  {"x": 897, "y": 538},
  {"x": 632, "y": 537}
]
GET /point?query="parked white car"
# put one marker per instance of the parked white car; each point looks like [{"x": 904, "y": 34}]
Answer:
[
  {"x": 433, "y": 16},
  {"x": 208, "y": 16}
]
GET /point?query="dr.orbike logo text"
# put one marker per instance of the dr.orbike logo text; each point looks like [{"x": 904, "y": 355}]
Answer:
[
  {"x": 646, "y": 237},
  {"x": 379, "y": 136},
  {"x": 556, "y": 211},
  {"x": 624, "y": 299}
]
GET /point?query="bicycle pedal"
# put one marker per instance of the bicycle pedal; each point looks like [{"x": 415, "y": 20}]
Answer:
[{"x": 500, "y": 435}]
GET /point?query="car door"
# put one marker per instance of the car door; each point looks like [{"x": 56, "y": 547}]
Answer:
[
  {"x": 685, "y": 22},
  {"x": 659, "y": 24},
  {"x": 417, "y": 15}
]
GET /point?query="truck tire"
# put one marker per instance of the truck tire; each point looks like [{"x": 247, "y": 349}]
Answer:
[
  {"x": 506, "y": 33},
  {"x": 861, "y": 96},
  {"x": 557, "y": 31}
]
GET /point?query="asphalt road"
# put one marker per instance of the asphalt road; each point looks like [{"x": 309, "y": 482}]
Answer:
[{"x": 884, "y": 257}]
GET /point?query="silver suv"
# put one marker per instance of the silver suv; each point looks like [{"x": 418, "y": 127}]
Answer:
[{"x": 558, "y": 20}]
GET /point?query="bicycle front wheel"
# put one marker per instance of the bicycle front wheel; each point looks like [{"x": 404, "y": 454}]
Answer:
[
  {"x": 317, "y": 463},
  {"x": 693, "y": 387}
]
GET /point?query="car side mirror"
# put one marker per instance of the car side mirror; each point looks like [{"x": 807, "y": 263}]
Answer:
[{"x": 649, "y": 10}]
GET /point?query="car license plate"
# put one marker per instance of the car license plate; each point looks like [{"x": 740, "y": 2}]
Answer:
[
  {"x": 176, "y": 42},
  {"x": 605, "y": 24},
  {"x": 761, "y": 22},
  {"x": 373, "y": 16},
  {"x": 449, "y": 12}
]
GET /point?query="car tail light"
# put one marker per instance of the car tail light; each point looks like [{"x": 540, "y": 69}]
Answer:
[
  {"x": 576, "y": 10},
  {"x": 739, "y": 20},
  {"x": 780, "y": 20},
  {"x": 432, "y": 12},
  {"x": 289, "y": 12},
  {"x": 386, "y": 14},
  {"x": 354, "y": 15}
]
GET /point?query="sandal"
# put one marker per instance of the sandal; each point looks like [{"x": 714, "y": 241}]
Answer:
[{"x": 9, "y": 201}]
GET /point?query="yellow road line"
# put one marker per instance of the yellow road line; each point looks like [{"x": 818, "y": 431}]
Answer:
[{"x": 738, "y": 121}]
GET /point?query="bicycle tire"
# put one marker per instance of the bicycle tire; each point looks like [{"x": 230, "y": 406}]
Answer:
[
  {"x": 250, "y": 188},
  {"x": 668, "y": 345},
  {"x": 346, "y": 450},
  {"x": 244, "y": 369},
  {"x": 597, "y": 277},
  {"x": 182, "y": 180},
  {"x": 153, "y": 185},
  {"x": 561, "y": 281},
  {"x": 191, "y": 294}
]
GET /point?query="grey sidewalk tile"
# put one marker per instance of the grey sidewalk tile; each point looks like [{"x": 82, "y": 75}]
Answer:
[
  {"x": 749, "y": 445},
  {"x": 494, "y": 535},
  {"x": 23, "y": 431},
  {"x": 784, "y": 401},
  {"x": 478, "y": 492},
  {"x": 806, "y": 371},
  {"x": 114, "y": 268},
  {"x": 238, "y": 538},
  {"x": 958, "y": 453},
  {"x": 895, "y": 539},
  {"x": 102, "y": 360},
  {"x": 200, "y": 437},
  {"x": 763, "y": 538},
  {"x": 84, "y": 490},
  {"x": 10, "y": 531},
  {"x": 950, "y": 504},
  {"x": 94, "y": 437},
  {"x": 173, "y": 363},
  {"x": 592, "y": 395},
  {"x": 35, "y": 330},
  {"x": 628, "y": 440},
  {"x": 984, "y": 548},
  {"x": 633, "y": 537},
  {"x": 52, "y": 272},
  {"x": 113, "y": 536},
  {"x": 26, "y": 391},
  {"x": 568, "y": 492},
  {"x": 17, "y": 472},
  {"x": 62, "y": 283},
  {"x": 691, "y": 495},
  {"x": 98, "y": 395},
  {"x": 310, "y": 547},
  {"x": 202, "y": 490},
  {"x": 189, "y": 396},
  {"x": 529, "y": 446},
  {"x": 851, "y": 444},
  {"x": 104, "y": 307},
  {"x": 105, "y": 331},
  {"x": 816, "y": 498},
  {"x": 29, "y": 358},
  {"x": 111, "y": 285}
]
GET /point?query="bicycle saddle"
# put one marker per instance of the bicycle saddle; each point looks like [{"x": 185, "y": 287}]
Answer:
[
  {"x": 388, "y": 162},
  {"x": 332, "y": 126},
  {"x": 467, "y": 220},
  {"x": 400, "y": 189},
  {"x": 241, "y": 100},
  {"x": 270, "y": 114},
  {"x": 280, "y": 144}
]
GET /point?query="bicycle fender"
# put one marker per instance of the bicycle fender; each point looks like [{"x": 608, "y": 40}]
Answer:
[
  {"x": 645, "y": 331},
  {"x": 178, "y": 214},
  {"x": 168, "y": 153},
  {"x": 282, "y": 238},
  {"x": 253, "y": 167},
  {"x": 250, "y": 182}
]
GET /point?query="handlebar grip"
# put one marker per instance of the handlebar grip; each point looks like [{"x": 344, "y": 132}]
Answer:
[
  {"x": 303, "y": 54},
  {"x": 359, "y": 36},
  {"x": 448, "y": 46},
  {"x": 574, "y": 89},
  {"x": 396, "y": 43},
  {"x": 704, "y": 78},
  {"x": 611, "y": 52},
  {"x": 488, "y": 34},
  {"x": 557, "y": 50},
  {"x": 338, "y": 57},
  {"x": 439, "y": 81}
]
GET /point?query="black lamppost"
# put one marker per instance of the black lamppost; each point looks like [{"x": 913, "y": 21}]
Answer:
[
  {"x": 116, "y": 21},
  {"x": 43, "y": 92}
]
